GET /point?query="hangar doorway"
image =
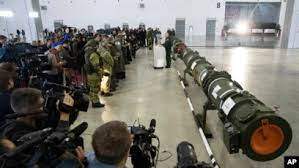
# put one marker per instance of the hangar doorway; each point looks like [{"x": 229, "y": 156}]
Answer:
[
  {"x": 253, "y": 24},
  {"x": 180, "y": 29}
]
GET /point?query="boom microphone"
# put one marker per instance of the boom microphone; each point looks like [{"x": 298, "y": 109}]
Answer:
[
  {"x": 47, "y": 84},
  {"x": 32, "y": 139},
  {"x": 18, "y": 115},
  {"x": 77, "y": 131},
  {"x": 35, "y": 134},
  {"x": 153, "y": 123},
  {"x": 152, "y": 126},
  {"x": 58, "y": 137}
]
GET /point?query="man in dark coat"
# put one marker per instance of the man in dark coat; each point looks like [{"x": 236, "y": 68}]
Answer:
[{"x": 168, "y": 45}]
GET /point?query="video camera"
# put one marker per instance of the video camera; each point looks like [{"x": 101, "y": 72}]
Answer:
[
  {"x": 30, "y": 65},
  {"x": 14, "y": 50},
  {"x": 144, "y": 154},
  {"x": 30, "y": 61},
  {"x": 187, "y": 157},
  {"x": 47, "y": 145},
  {"x": 53, "y": 93}
]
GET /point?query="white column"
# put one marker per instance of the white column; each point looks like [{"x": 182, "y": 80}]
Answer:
[
  {"x": 294, "y": 30},
  {"x": 282, "y": 13}
]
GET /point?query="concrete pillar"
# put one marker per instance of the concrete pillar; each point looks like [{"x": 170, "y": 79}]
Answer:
[
  {"x": 38, "y": 20},
  {"x": 290, "y": 34},
  {"x": 282, "y": 13},
  {"x": 294, "y": 31}
]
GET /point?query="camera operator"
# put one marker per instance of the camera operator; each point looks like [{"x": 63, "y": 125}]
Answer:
[
  {"x": 69, "y": 61},
  {"x": 7, "y": 75},
  {"x": 111, "y": 144},
  {"x": 3, "y": 51},
  {"x": 55, "y": 73},
  {"x": 2, "y": 40},
  {"x": 65, "y": 54},
  {"x": 25, "y": 100},
  {"x": 28, "y": 100}
]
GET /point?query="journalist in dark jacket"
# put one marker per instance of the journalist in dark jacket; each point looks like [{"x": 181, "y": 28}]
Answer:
[
  {"x": 6, "y": 85},
  {"x": 168, "y": 45},
  {"x": 29, "y": 100}
]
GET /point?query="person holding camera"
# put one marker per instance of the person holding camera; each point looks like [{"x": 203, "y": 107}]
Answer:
[
  {"x": 54, "y": 74},
  {"x": 3, "y": 51},
  {"x": 111, "y": 143},
  {"x": 29, "y": 100},
  {"x": 7, "y": 75},
  {"x": 2, "y": 40}
]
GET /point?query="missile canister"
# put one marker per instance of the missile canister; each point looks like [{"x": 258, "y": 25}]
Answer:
[{"x": 248, "y": 123}]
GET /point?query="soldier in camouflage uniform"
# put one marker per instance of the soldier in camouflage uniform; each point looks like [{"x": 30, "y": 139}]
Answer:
[
  {"x": 114, "y": 53},
  {"x": 94, "y": 69},
  {"x": 108, "y": 63},
  {"x": 120, "y": 69},
  {"x": 150, "y": 39}
]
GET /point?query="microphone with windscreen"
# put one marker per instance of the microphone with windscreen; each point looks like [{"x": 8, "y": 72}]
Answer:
[
  {"x": 77, "y": 131},
  {"x": 152, "y": 126}
]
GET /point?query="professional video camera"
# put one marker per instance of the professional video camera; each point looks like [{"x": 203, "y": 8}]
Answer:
[
  {"x": 187, "y": 157},
  {"x": 29, "y": 66},
  {"x": 30, "y": 61},
  {"x": 15, "y": 50},
  {"x": 53, "y": 93},
  {"x": 144, "y": 154},
  {"x": 47, "y": 146}
]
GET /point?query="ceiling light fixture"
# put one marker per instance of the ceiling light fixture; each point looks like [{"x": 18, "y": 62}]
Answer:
[
  {"x": 33, "y": 14},
  {"x": 6, "y": 14}
]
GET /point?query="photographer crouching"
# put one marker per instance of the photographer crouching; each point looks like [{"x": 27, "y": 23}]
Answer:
[{"x": 28, "y": 103}]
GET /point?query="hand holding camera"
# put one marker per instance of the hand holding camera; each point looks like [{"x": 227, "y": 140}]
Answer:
[{"x": 66, "y": 104}]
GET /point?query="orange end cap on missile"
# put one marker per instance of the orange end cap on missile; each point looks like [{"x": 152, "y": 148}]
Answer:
[{"x": 267, "y": 139}]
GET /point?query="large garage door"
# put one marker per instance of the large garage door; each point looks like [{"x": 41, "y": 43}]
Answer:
[
  {"x": 180, "y": 28},
  {"x": 58, "y": 24},
  {"x": 210, "y": 28}
]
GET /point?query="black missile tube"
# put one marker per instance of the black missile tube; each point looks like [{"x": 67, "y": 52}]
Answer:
[{"x": 248, "y": 123}]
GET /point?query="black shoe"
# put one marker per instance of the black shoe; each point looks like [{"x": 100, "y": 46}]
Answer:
[
  {"x": 98, "y": 105},
  {"x": 167, "y": 67},
  {"x": 107, "y": 94}
]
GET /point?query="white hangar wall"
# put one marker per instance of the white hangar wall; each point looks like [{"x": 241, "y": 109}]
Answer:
[
  {"x": 81, "y": 13},
  {"x": 161, "y": 13}
]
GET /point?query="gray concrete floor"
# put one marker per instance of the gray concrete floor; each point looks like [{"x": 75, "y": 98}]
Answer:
[{"x": 270, "y": 74}]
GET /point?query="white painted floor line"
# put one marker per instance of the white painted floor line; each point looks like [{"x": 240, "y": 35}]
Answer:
[{"x": 203, "y": 137}]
